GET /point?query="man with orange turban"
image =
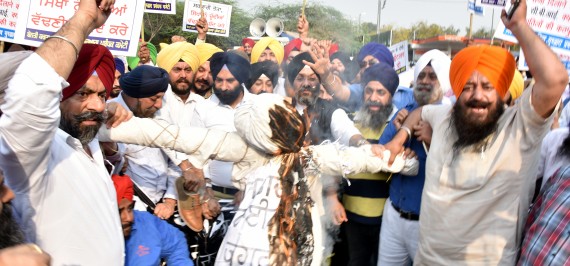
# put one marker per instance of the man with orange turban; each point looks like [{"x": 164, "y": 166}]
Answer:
[
  {"x": 49, "y": 152},
  {"x": 482, "y": 162}
]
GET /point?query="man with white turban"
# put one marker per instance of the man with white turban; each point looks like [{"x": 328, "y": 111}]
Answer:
[{"x": 481, "y": 170}]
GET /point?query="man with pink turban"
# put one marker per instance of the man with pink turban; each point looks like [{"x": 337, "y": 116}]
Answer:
[
  {"x": 53, "y": 107},
  {"x": 482, "y": 162}
]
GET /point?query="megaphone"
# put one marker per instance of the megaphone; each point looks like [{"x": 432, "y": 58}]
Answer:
[
  {"x": 274, "y": 27},
  {"x": 257, "y": 27}
]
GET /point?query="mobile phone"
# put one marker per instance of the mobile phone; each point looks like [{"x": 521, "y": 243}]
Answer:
[{"x": 513, "y": 8}]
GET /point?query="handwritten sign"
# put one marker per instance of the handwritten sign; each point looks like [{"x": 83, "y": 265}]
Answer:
[
  {"x": 550, "y": 19},
  {"x": 39, "y": 19},
  {"x": 160, "y": 7},
  {"x": 400, "y": 53},
  {"x": 8, "y": 19},
  {"x": 475, "y": 8},
  {"x": 217, "y": 15}
]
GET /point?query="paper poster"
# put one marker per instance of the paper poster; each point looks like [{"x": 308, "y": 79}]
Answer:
[
  {"x": 475, "y": 8},
  {"x": 217, "y": 15},
  {"x": 8, "y": 19},
  {"x": 160, "y": 7},
  {"x": 400, "y": 53},
  {"x": 39, "y": 19},
  {"x": 550, "y": 19},
  {"x": 492, "y": 3}
]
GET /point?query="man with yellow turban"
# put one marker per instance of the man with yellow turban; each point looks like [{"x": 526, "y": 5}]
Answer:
[
  {"x": 203, "y": 81},
  {"x": 270, "y": 49},
  {"x": 482, "y": 163}
]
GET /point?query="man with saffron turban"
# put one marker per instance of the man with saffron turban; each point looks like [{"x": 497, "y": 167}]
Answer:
[
  {"x": 483, "y": 158},
  {"x": 53, "y": 108}
]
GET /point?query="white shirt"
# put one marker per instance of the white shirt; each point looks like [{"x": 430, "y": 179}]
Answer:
[
  {"x": 64, "y": 198},
  {"x": 214, "y": 114},
  {"x": 564, "y": 116},
  {"x": 550, "y": 161},
  {"x": 148, "y": 168}
]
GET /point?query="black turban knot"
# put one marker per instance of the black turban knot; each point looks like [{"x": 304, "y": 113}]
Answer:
[
  {"x": 269, "y": 68},
  {"x": 144, "y": 81},
  {"x": 238, "y": 66}
]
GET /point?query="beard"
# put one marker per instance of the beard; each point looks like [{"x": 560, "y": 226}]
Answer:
[
  {"x": 115, "y": 92},
  {"x": 147, "y": 113},
  {"x": 374, "y": 119},
  {"x": 228, "y": 96},
  {"x": 84, "y": 134},
  {"x": 201, "y": 86},
  {"x": 471, "y": 132},
  {"x": 308, "y": 100},
  {"x": 10, "y": 232},
  {"x": 180, "y": 86},
  {"x": 426, "y": 94}
]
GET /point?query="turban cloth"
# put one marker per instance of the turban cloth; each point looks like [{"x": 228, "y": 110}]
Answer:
[
  {"x": 293, "y": 45},
  {"x": 171, "y": 54},
  {"x": 247, "y": 40},
  {"x": 440, "y": 63},
  {"x": 237, "y": 65},
  {"x": 267, "y": 132},
  {"x": 378, "y": 51},
  {"x": 205, "y": 51},
  {"x": 92, "y": 58},
  {"x": 267, "y": 68},
  {"x": 123, "y": 187},
  {"x": 495, "y": 63},
  {"x": 120, "y": 65},
  {"x": 333, "y": 49},
  {"x": 517, "y": 85},
  {"x": 382, "y": 73},
  {"x": 134, "y": 61},
  {"x": 297, "y": 65},
  {"x": 267, "y": 42},
  {"x": 144, "y": 81},
  {"x": 240, "y": 52}
]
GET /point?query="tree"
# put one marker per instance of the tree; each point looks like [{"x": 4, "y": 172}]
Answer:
[{"x": 481, "y": 33}]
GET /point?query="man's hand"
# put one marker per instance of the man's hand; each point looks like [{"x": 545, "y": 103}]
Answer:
[
  {"x": 322, "y": 65},
  {"x": 193, "y": 178},
  {"x": 144, "y": 53},
  {"x": 202, "y": 28},
  {"x": 400, "y": 118},
  {"x": 518, "y": 18},
  {"x": 24, "y": 255},
  {"x": 336, "y": 209},
  {"x": 423, "y": 132},
  {"x": 394, "y": 149},
  {"x": 117, "y": 114},
  {"x": 166, "y": 209},
  {"x": 302, "y": 26},
  {"x": 96, "y": 11},
  {"x": 377, "y": 150}
]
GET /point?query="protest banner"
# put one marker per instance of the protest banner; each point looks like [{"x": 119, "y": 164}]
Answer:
[
  {"x": 39, "y": 19},
  {"x": 400, "y": 53},
  {"x": 160, "y": 7},
  {"x": 475, "y": 8},
  {"x": 492, "y": 3},
  {"x": 8, "y": 19},
  {"x": 217, "y": 15},
  {"x": 550, "y": 19}
]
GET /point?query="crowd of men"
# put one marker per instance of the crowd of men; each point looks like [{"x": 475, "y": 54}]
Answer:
[{"x": 273, "y": 154}]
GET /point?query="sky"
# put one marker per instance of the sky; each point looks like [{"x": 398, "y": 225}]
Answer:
[{"x": 402, "y": 13}]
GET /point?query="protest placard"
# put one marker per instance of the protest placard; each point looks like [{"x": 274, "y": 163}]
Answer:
[
  {"x": 400, "y": 53},
  {"x": 39, "y": 19},
  {"x": 475, "y": 8},
  {"x": 492, "y": 3},
  {"x": 8, "y": 19},
  {"x": 550, "y": 19},
  {"x": 217, "y": 15},
  {"x": 160, "y": 7}
]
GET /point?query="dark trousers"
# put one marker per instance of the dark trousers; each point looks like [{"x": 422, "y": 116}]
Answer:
[{"x": 362, "y": 241}]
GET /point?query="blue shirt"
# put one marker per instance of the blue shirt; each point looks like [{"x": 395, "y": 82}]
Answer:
[
  {"x": 152, "y": 239},
  {"x": 406, "y": 191},
  {"x": 403, "y": 98}
]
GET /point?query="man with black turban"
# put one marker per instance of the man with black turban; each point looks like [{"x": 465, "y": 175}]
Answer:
[
  {"x": 50, "y": 155},
  {"x": 264, "y": 77},
  {"x": 143, "y": 89},
  {"x": 482, "y": 163}
]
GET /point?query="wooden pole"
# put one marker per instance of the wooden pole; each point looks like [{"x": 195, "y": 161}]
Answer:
[
  {"x": 303, "y": 8},
  {"x": 201, "y": 10},
  {"x": 1, "y": 47},
  {"x": 470, "y": 26},
  {"x": 142, "y": 30}
]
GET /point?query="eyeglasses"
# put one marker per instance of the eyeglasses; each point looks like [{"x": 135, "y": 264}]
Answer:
[{"x": 369, "y": 63}]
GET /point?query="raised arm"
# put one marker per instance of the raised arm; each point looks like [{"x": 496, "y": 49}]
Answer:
[{"x": 549, "y": 73}]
